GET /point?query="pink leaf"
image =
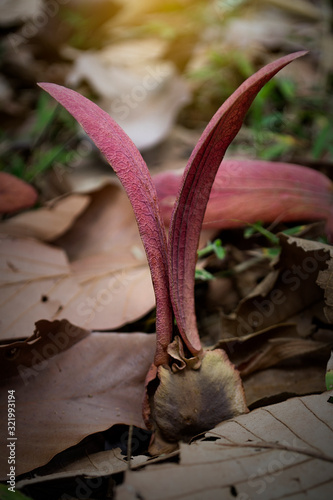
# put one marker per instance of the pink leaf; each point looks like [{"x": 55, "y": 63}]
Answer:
[
  {"x": 132, "y": 171},
  {"x": 245, "y": 191},
  {"x": 194, "y": 193}
]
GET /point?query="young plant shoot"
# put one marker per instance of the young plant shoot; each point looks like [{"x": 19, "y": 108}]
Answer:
[{"x": 188, "y": 389}]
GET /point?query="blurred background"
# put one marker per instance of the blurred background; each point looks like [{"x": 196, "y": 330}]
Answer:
[{"x": 161, "y": 69}]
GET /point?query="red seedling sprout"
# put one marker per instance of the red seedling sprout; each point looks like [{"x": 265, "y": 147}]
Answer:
[{"x": 177, "y": 406}]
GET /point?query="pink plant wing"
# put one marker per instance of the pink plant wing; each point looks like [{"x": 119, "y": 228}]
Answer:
[
  {"x": 190, "y": 206},
  {"x": 245, "y": 191},
  {"x": 132, "y": 171},
  {"x": 255, "y": 190}
]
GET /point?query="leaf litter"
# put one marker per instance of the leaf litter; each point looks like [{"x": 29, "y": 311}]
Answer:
[{"x": 280, "y": 331}]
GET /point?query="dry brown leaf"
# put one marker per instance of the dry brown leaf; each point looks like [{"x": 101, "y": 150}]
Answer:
[
  {"x": 35, "y": 283},
  {"x": 109, "y": 263},
  {"x": 49, "y": 222},
  {"x": 280, "y": 451},
  {"x": 107, "y": 226},
  {"x": 276, "y": 384},
  {"x": 289, "y": 289},
  {"x": 98, "y": 464},
  {"x": 267, "y": 348},
  {"x": 106, "y": 374},
  {"x": 136, "y": 85},
  {"x": 106, "y": 285},
  {"x": 108, "y": 298},
  {"x": 48, "y": 339},
  {"x": 276, "y": 325}
]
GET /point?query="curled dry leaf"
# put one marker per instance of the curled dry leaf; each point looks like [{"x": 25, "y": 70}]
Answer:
[
  {"x": 245, "y": 191},
  {"x": 106, "y": 373},
  {"x": 15, "y": 194}
]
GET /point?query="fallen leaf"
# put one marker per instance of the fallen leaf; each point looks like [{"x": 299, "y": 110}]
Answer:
[
  {"x": 48, "y": 222},
  {"x": 276, "y": 384},
  {"x": 289, "y": 289},
  {"x": 15, "y": 194},
  {"x": 35, "y": 283},
  {"x": 108, "y": 263},
  {"x": 278, "y": 336},
  {"x": 139, "y": 89},
  {"x": 106, "y": 227},
  {"x": 106, "y": 373},
  {"x": 267, "y": 348},
  {"x": 106, "y": 285},
  {"x": 97, "y": 464},
  {"x": 46, "y": 341},
  {"x": 269, "y": 451},
  {"x": 109, "y": 296}
]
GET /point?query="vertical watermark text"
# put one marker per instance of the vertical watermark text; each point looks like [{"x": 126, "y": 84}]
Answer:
[{"x": 11, "y": 438}]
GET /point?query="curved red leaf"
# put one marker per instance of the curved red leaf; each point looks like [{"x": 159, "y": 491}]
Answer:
[
  {"x": 133, "y": 173},
  {"x": 194, "y": 193}
]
